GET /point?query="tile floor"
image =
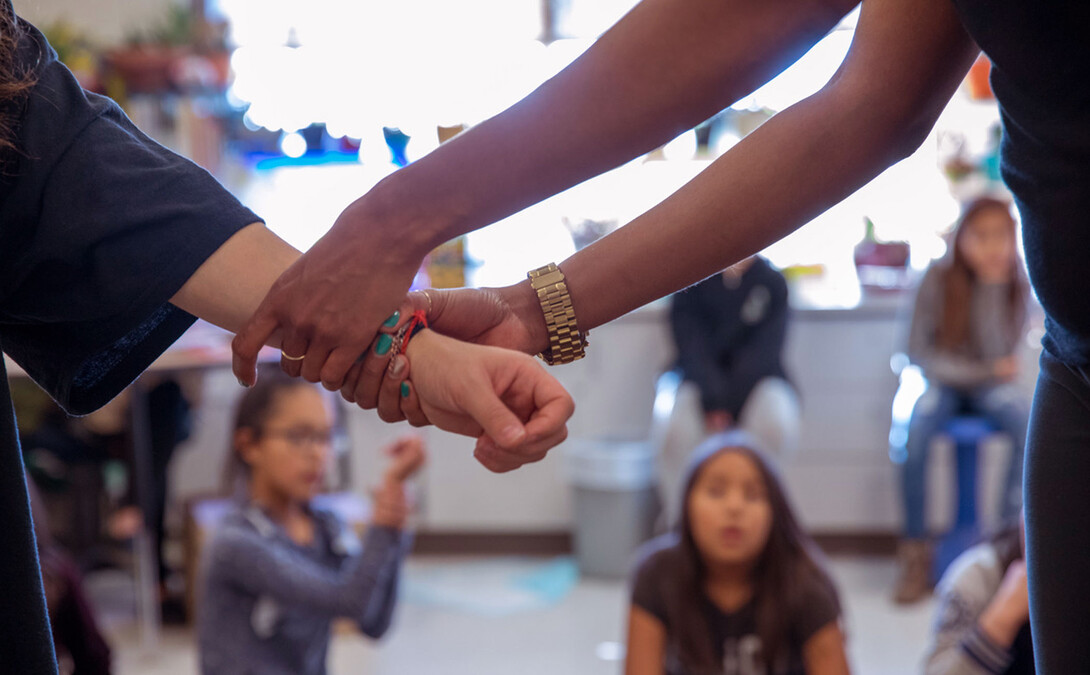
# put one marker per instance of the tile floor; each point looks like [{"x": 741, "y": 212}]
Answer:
[{"x": 462, "y": 616}]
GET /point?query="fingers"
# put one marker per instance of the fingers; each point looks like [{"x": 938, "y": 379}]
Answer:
[
  {"x": 329, "y": 361},
  {"x": 553, "y": 406},
  {"x": 394, "y": 388},
  {"x": 497, "y": 420},
  {"x": 501, "y": 460},
  {"x": 248, "y": 342},
  {"x": 348, "y": 389},
  {"x": 377, "y": 368},
  {"x": 317, "y": 353},
  {"x": 293, "y": 351},
  {"x": 408, "y": 457},
  {"x": 334, "y": 373},
  {"x": 425, "y": 299},
  {"x": 410, "y": 406}
]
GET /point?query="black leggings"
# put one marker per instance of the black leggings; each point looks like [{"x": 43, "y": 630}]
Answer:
[{"x": 1057, "y": 498}]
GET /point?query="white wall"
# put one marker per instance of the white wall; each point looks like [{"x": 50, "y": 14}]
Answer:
[
  {"x": 840, "y": 479},
  {"x": 105, "y": 22}
]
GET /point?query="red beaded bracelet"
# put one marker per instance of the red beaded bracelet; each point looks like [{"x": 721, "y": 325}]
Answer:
[{"x": 416, "y": 324}]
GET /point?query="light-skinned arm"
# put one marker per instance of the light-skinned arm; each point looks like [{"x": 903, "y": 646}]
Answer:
[
  {"x": 499, "y": 396},
  {"x": 824, "y": 652},
  {"x": 645, "y": 653}
]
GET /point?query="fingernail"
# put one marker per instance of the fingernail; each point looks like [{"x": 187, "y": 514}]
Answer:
[
  {"x": 513, "y": 434},
  {"x": 392, "y": 321},
  {"x": 404, "y": 390},
  {"x": 383, "y": 346},
  {"x": 397, "y": 365},
  {"x": 240, "y": 382}
]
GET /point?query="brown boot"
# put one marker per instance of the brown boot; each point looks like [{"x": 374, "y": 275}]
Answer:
[{"x": 914, "y": 584}]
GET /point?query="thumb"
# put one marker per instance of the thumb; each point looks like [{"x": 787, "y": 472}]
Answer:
[{"x": 495, "y": 418}]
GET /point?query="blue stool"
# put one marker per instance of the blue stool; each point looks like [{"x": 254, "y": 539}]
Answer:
[{"x": 967, "y": 432}]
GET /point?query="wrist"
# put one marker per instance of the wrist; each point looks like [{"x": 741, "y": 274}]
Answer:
[
  {"x": 999, "y": 625},
  {"x": 400, "y": 226},
  {"x": 394, "y": 524},
  {"x": 523, "y": 303},
  {"x": 567, "y": 343}
]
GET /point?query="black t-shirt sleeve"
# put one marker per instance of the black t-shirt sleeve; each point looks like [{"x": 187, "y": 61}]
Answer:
[
  {"x": 648, "y": 583},
  {"x": 100, "y": 233},
  {"x": 818, "y": 608}
]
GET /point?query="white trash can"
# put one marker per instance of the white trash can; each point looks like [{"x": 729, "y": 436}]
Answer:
[{"x": 615, "y": 502}]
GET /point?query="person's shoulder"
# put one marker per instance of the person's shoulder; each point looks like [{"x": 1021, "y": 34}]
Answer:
[
  {"x": 929, "y": 288},
  {"x": 819, "y": 592},
  {"x": 58, "y": 104},
  {"x": 764, "y": 273},
  {"x": 240, "y": 523},
  {"x": 935, "y": 274},
  {"x": 658, "y": 563},
  {"x": 656, "y": 556}
]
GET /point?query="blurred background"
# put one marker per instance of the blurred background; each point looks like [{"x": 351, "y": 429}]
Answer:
[{"x": 298, "y": 108}]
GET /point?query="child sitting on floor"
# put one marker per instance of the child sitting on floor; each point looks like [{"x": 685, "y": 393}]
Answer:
[{"x": 278, "y": 569}]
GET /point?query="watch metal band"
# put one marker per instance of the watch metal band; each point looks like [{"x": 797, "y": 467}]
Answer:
[{"x": 566, "y": 343}]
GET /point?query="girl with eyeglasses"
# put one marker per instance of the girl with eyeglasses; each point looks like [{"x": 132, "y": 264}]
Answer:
[{"x": 279, "y": 569}]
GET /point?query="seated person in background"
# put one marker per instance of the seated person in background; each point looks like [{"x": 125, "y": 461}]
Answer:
[
  {"x": 968, "y": 321},
  {"x": 982, "y": 622},
  {"x": 730, "y": 331},
  {"x": 739, "y": 588},
  {"x": 278, "y": 570}
]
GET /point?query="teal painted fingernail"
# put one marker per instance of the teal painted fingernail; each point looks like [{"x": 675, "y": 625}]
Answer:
[
  {"x": 392, "y": 321},
  {"x": 383, "y": 346},
  {"x": 404, "y": 390}
]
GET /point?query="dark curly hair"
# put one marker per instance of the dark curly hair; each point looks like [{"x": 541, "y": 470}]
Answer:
[{"x": 14, "y": 79}]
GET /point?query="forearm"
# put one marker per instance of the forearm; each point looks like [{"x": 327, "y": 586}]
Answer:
[
  {"x": 379, "y": 612},
  {"x": 792, "y": 168},
  {"x": 665, "y": 67},
  {"x": 999, "y": 625},
  {"x": 251, "y": 562},
  {"x": 229, "y": 286}
]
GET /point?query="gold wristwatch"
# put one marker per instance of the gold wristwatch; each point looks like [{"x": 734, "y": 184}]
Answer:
[{"x": 566, "y": 343}]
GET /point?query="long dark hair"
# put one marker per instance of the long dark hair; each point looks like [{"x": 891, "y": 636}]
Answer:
[
  {"x": 252, "y": 412},
  {"x": 958, "y": 279},
  {"x": 788, "y": 568},
  {"x": 14, "y": 81}
]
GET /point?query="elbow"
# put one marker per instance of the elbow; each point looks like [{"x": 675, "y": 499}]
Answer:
[
  {"x": 375, "y": 629},
  {"x": 895, "y": 123},
  {"x": 909, "y": 137}
]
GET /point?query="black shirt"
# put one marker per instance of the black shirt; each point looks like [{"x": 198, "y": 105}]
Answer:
[
  {"x": 99, "y": 227},
  {"x": 730, "y": 337},
  {"x": 733, "y": 634},
  {"x": 1040, "y": 54}
]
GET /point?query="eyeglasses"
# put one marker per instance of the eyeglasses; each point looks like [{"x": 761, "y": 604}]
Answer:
[{"x": 303, "y": 438}]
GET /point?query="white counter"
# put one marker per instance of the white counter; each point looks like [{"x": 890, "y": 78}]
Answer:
[{"x": 840, "y": 479}]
